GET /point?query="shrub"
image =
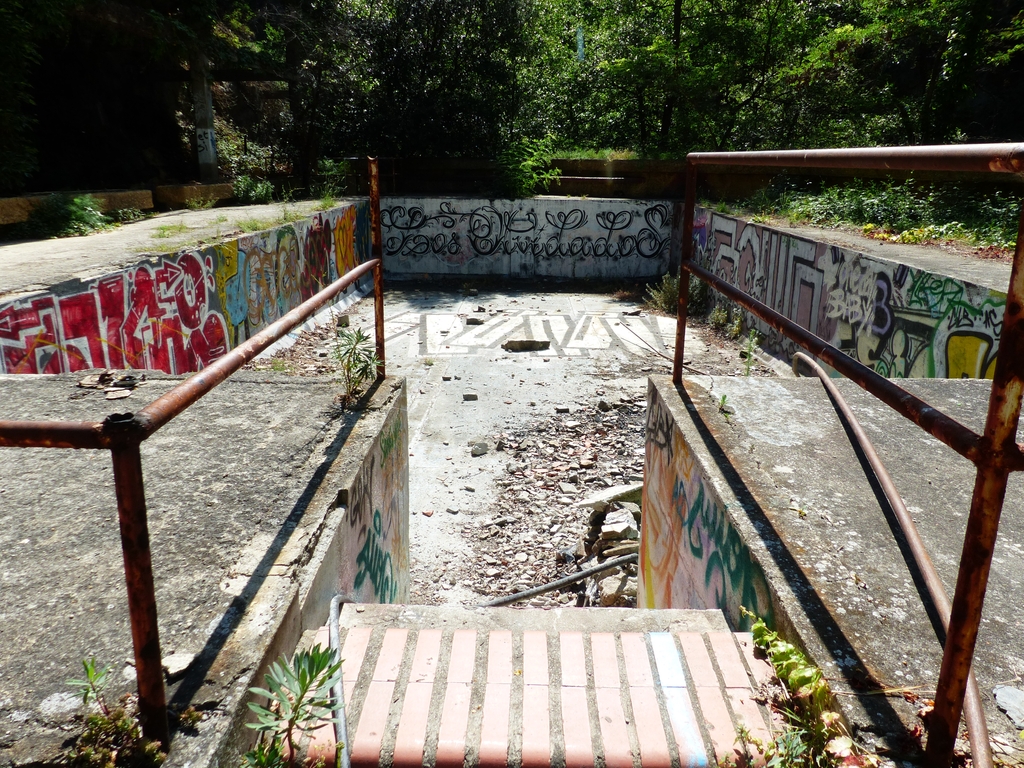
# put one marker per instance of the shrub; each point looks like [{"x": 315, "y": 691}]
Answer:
[
  {"x": 250, "y": 190},
  {"x": 523, "y": 167},
  {"x": 664, "y": 296},
  {"x": 61, "y": 215}
]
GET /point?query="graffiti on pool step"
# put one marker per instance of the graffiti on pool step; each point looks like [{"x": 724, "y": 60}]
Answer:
[
  {"x": 900, "y": 321},
  {"x": 691, "y": 555},
  {"x": 183, "y": 311}
]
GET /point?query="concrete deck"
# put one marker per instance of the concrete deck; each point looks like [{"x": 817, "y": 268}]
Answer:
[
  {"x": 826, "y": 543},
  {"x": 35, "y": 265},
  {"x": 241, "y": 491},
  {"x": 442, "y": 686}
]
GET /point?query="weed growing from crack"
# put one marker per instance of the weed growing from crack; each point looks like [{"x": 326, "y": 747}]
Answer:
[
  {"x": 723, "y": 407},
  {"x": 749, "y": 346},
  {"x": 815, "y": 736},
  {"x": 112, "y": 737}
]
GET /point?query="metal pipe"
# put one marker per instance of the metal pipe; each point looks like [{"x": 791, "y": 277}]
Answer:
[
  {"x": 338, "y": 691},
  {"x": 53, "y": 434},
  {"x": 999, "y": 438},
  {"x": 998, "y": 158},
  {"x": 378, "y": 271},
  {"x": 685, "y": 258},
  {"x": 947, "y": 430},
  {"x": 562, "y": 582},
  {"x": 138, "y": 576},
  {"x": 981, "y": 748},
  {"x": 169, "y": 405}
]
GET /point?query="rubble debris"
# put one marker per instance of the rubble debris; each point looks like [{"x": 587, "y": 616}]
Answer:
[{"x": 469, "y": 396}]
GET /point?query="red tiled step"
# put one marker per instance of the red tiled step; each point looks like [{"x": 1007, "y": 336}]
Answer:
[{"x": 502, "y": 687}]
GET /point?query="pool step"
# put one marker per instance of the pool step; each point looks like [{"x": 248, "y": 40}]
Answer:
[{"x": 443, "y": 686}]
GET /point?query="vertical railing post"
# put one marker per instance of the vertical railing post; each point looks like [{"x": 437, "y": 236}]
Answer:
[
  {"x": 378, "y": 271},
  {"x": 685, "y": 255},
  {"x": 138, "y": 575},
  {"x": 999, "y": 439}
]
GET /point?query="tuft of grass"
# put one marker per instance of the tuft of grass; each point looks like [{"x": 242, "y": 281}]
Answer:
[
  {"x": 164, "y": 231},
  {"x": 200, "y": 203},
  {"x": 255, "y": 224}
]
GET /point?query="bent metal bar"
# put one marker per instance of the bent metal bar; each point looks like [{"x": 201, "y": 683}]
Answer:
[
  {"x": 995, "y": 452},
  {"x": 122, "y": 434}
]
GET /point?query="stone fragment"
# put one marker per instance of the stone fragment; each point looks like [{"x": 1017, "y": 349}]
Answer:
[
  {"x": 621, "y": 549},
  {"x": 616, "y": 590},
  {"x": 525, "y": 345},
  {"x": 492, "y": 572},
  {"x": 561, "y": 409},
  {"x": 428, "y": 513},
  {"x": 615, "y": 493},
  {"x": 604, "y": 406},
  {"x": 469, "y": 396},
  {"x": 474, "y": 321},
  {"x": 452, "y": 511},
  {"x": 1011, "y": 701},
  {"x": 632, "y": 508},
  {"x": 566, "y": 488},
  {"x": 175, "y": 664},
  {"x": 521, "y": 557},
  {"x": 446, "y": 378}
]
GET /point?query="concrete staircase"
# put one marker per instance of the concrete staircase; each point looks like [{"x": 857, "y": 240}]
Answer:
[{"x": 443, "y": 686}]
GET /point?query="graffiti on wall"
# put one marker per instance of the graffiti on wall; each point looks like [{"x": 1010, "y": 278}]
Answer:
[
  {"x": 536, "y": 236},
  {"x": 180, "y": 312},
  {"x": 376, "y": 561},
  {"x": 900, "y": 321},
  {"x": 691, "y": 556}
]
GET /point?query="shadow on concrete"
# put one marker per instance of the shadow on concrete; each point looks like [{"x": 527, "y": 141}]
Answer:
[
  {"x": 885, "y": 721},
  {"x": 193, "y": 681}
]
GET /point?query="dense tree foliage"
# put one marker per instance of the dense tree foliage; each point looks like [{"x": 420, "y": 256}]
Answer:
[{"x": 467, "y": 77}]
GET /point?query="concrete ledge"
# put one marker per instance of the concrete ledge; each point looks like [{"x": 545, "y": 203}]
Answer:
[
  {"x": 264, "y": 501},
  {"x": 180, "y": 195},
  {"x": 17, "y": 209}
]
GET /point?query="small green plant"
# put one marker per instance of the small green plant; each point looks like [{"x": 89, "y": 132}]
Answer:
[
  {"x": 126, "y": 215},
  {"x": 357, "y": 360},
  {"x": 664, "y": 296},
  {"x": 91, "y": 687},
  {"x": 200, "y": 203},
  {"x": 249, "y": 190},
  {"x": 277, "y": 365},
  {"x": 723, "y": 407},
  {"x": 112, "y": 736},
  {"x": 299, "y": 697},
  {"x": 524, "y": 167},
  {"x": 61, "y": 215},
  {"x": 735, "y": 329},
  {"x": 164, "y": 231},
  {"x": 749, "y": 347},
  {"x": 814, "y": 736},
  {"x": 719, "y": 317},
  {"x": 428, "y": 361}
]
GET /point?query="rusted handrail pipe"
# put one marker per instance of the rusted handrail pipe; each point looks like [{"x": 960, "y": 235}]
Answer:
[
  {"x": 170, "y": 404},
  {"x": 981, "y": 747},
  {"x": 53, "y": 434},
  {"x": 945, "y": 429}
]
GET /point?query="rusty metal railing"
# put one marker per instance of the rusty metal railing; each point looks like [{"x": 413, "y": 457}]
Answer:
[
  {"x": 995, "y": 452},
  {"x": 123, "y": 433}
]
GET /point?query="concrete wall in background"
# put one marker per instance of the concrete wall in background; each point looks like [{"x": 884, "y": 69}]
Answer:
[
  {"x": 691, "y": 554},
  {"x": 179, "y": 312},
  {"x": 538, "y": 237},
  {"x": 900, "y": 321}
]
